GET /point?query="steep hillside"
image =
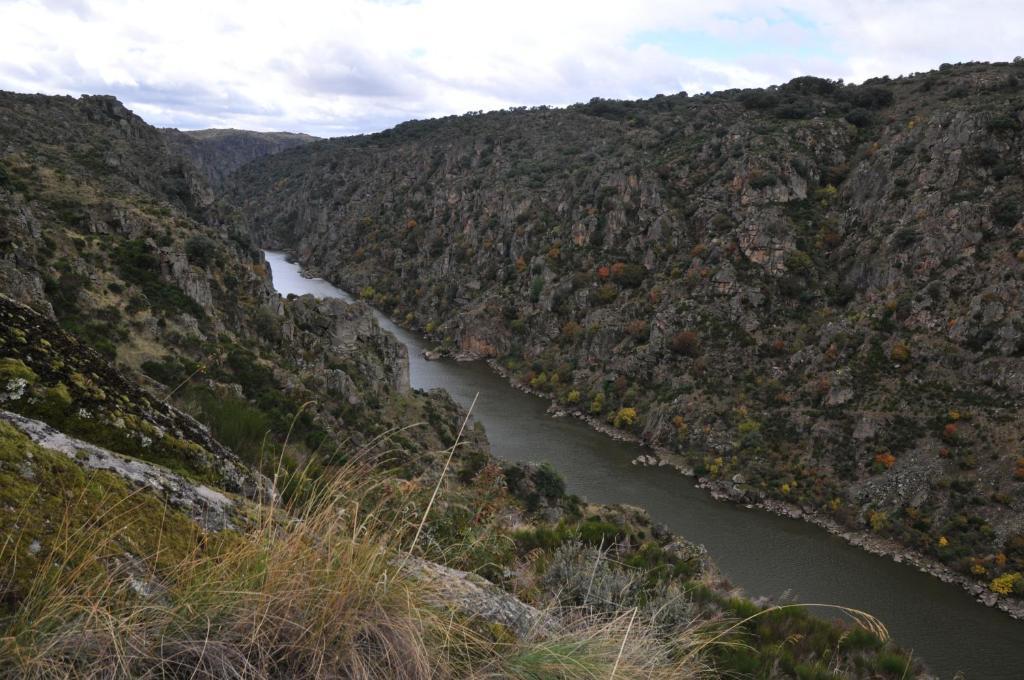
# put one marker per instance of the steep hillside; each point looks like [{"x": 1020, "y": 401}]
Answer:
[
  {"x": 217, "y": 153},
  {"x": 809, "y": 294},
  {"x": 106, "y": 230},
  {"x": 198, "y": 476}
]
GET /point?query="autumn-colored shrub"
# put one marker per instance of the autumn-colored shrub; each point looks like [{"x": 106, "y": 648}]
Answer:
[
  {"x": 628, "y": 274},
  {"x": 900, "y": 353},
  {"x": 885, "y": 459},
  {"x": 949, "y": 432},
  {"x": 680, "y": 424},
  {"x": 571, "y": 330},
  {"x": 625, "y": 417},
  {"x": 685, "y": 343},
  {"x": 1004, "y": 585},
  {"x": 638, "y": 328},
  {"x": 603, "y": 273}
]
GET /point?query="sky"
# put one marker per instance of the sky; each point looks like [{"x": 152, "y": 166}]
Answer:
[{"x": 340, "y": 67}]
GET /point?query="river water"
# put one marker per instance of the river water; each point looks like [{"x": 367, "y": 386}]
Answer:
[{"x": 763, "y": 553}]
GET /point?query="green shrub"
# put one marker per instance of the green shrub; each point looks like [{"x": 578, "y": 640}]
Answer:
[{"x": 139, "y": 266}]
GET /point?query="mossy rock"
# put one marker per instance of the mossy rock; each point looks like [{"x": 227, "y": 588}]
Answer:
[{"x": 55, "y": 514}]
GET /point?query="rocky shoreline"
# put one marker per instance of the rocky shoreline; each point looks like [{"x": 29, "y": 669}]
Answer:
[{"x": 728, "y": 491}]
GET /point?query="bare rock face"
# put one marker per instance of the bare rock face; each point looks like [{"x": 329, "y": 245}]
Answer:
[
  {"x": 23, "y": 285},
  {"x": 350, "y": 331}
]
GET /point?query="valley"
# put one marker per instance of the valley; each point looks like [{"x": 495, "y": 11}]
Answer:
[{"x": 762, "y": 553}]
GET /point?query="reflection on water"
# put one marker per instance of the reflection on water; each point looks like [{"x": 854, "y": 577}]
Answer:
[{"x": 765, "y": 554}]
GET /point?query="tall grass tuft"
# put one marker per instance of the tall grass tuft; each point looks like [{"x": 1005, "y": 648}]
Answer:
[{"x": 310, "y": 594}]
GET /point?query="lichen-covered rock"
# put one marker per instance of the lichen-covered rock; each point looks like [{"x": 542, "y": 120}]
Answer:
[
  {"x": 477, "y": 599},
  {"x": 210, "y": 508}
]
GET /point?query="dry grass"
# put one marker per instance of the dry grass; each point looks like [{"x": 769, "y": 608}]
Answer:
[
  {"x": 316, "y": 591},
  {"x": 311, "y": 591},
  {"x": 313, "y": 594}
]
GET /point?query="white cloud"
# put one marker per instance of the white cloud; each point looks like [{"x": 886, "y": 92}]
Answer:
[{"x": 356, "y": 65}]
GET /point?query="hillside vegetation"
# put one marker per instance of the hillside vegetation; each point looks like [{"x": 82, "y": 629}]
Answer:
[
  {"x": 217, "y": 153},
  {"x": 808, "y": 295},
  {"x": 201, "y": 479}
]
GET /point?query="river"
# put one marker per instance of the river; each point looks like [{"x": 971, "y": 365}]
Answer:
[{"x": 763, "y": 553}]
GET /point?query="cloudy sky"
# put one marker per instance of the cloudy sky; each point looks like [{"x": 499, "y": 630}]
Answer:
[{"x": 335, "y": 67}]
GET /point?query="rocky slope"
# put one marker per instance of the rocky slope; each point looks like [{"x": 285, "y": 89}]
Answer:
[
  {"x": 217, "y": 153},
  {"x": 808, "y": 294},
  {"x": 156, "y": 395}
]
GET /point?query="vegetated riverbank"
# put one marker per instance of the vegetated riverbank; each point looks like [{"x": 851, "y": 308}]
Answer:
[
  {"x": 730, "y": 491},
  {"x": 764, "y": 553}
]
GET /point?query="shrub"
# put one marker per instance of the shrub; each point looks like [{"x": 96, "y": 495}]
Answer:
[
  {"x": 607, "y": 293},
  {"x": 1004, "y": 585},
  {"x": 799, "y": 262},
  {"x": 860, "y": 117},
  {"x": 758, "y": 99},
  {"x": 870, "y": 96},
  {"x": 885, "y": 460},
  {"x": 638, "y": 328},
  {"x": 628, "y": 275},
  {"x": 535, "y": 288},
  {"x": 548, "y": 482},
  {"x": 200, "y": 251},
  {"x": 685, "y": 343},
  {"x": 762, "y": 180},
  {"x": 1005, "y": 212},
  {"x": 625, "y": 417},
  {"x": 140, "y": 266},
  {"x": 571, "y": 330},
  {"x": 900, "y": 353}
]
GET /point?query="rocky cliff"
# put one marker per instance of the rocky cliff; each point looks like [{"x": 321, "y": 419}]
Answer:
[
  {"x": 217, "y": 153},
  {"x": 808, "y": 294}
]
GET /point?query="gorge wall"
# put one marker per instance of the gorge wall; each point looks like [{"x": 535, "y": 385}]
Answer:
[{"x": 812, "y": 292}]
